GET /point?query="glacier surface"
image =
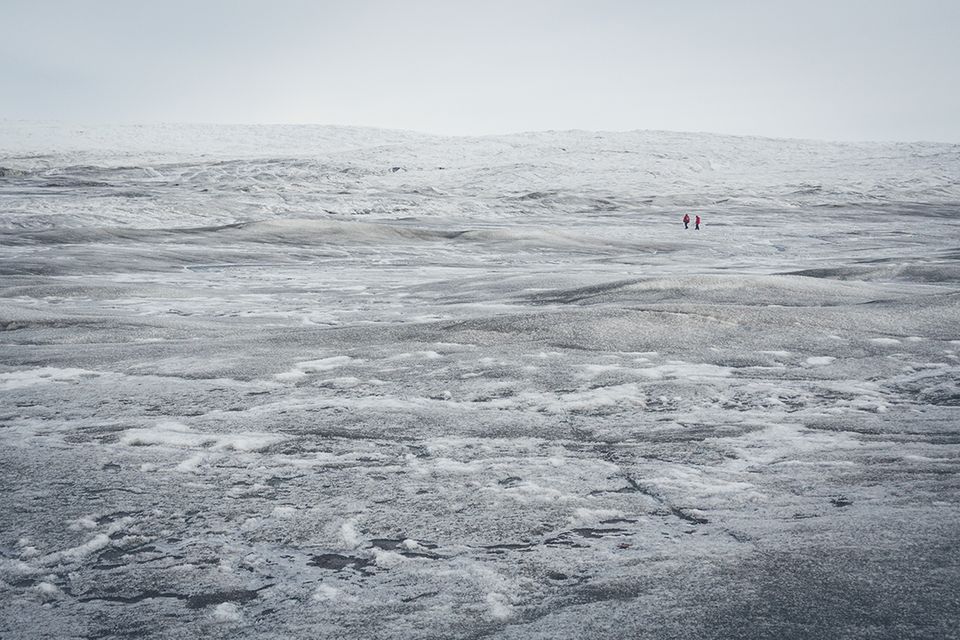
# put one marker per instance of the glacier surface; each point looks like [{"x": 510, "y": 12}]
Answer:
[{"x": 326, "y": 382}]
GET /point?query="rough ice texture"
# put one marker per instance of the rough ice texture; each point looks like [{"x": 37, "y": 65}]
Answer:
[{"x": 347, "y": 383}]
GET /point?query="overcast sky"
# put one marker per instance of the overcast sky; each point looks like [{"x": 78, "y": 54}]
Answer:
[{"x": 837, "y": 69}]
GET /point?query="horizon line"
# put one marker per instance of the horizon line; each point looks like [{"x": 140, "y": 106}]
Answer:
[{"x": 368, "y": 127}]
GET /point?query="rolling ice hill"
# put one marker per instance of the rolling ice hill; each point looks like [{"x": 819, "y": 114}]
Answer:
[{"x": 284, "y": 171}]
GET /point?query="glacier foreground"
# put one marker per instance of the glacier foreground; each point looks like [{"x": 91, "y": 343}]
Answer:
[{"x": 282, "y": 382}]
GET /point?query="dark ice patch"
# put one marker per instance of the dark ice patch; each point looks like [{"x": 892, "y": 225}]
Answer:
[
  {"x": 208, "y": 599},
  {"x": 338, "y": 562}
]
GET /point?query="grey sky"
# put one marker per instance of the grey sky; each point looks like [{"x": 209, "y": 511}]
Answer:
[{"x": 840, "y": 69}]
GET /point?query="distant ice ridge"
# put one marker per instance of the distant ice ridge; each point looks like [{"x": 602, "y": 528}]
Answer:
[
  {"x": 162, "y": 176},
  {"x": 168, "y": 141}
]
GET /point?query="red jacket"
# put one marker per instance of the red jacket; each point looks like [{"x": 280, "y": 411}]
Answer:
[
  {"x": 686, "y": 217},
  {"x": 698, "y": 219}
]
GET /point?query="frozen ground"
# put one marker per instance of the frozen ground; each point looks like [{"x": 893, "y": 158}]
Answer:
[{"x": 306, "y": 382}]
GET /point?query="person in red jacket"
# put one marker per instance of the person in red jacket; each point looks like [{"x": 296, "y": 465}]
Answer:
[
  {"x": 686, "y": 221},
  {"x": 696, "y": 224}
]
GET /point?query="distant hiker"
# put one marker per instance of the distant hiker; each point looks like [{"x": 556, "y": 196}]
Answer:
[
  {"x": 686, "y": 221},
  {"x": 696, "y": 224}
]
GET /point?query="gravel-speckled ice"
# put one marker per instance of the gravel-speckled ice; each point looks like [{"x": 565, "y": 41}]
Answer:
[{"x": 315, "y": 382}]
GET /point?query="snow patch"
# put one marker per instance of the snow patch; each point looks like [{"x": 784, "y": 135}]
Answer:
[
  {"x": 175, "y": 434},
  {"x": 15, "y": 569},
  {"x": 302, "y": 369},
  {"x": 328, "y": 593},
  {"x": 191, "y": 464},
  {"x": 594, "y": 370},
  {"x": 591, "y": 517},
  {"x": 499, "y": 606},
  {"x": 412, "y": 545},
  {"x": 387, "y": 559},
  {"x": 684, "y": 370},
  {"x": 421, "y": 355},
  {"x": 533, "y": 492},
  {"x": 48, "y": 591},
  {"x": 349, "y": 535},
  {"x": 227, "y": 612},
  {"x": 586, "y": 400},
  {"x": 43, "y": 375},
  {"x": 98, "y": 542},
  {"x": 696, "y": 485}
]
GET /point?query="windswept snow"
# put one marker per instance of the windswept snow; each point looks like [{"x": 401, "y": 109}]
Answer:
[{"x": 348, "y": 383}]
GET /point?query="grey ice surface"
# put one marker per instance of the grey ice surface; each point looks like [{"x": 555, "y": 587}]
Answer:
[{"x": 336, "y": 383}]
